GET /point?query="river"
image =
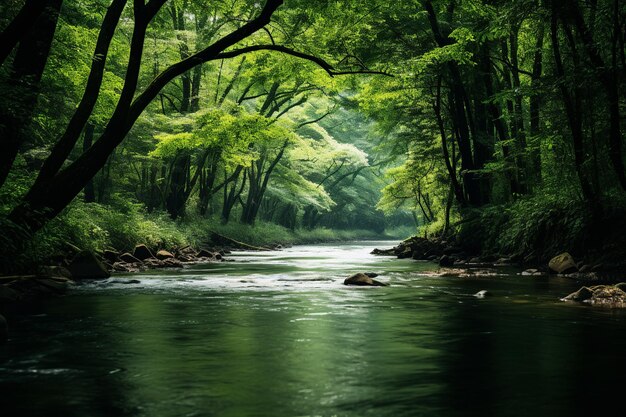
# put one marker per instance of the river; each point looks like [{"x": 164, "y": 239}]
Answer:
[{"x": 277, "y": 334}]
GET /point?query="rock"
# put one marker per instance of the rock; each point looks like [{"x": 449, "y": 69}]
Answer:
[
  {"x": 446, "y": 261},
  {"x": 86, "y": 265},
  {"x": 621, "y": 286},
  {"x": 406, "y": 253},
  {"x": 482, "y": 294},
  {"x": 371, "y": 274},
  {"x": 362, "y": 279},
  {"x": 584, "y": 268},
  {"x": 383, "y": 252},
  {"x": 530, "y": 272},
  {"x": 172, "y": 263},
  {"x": 128, "y": 258},
  {"x": 563, "y": 264},
  {"x": 608, "y": 296},
  {"x": 57, "y": 285},
  {"x": 56, "y": 271},
  {"x": 110, "y": 256},
  {"x": 475, "y": 261},
  {"x": 203, "y": 253},
  {"x": 126, "y": 267},
  {"x": 581, "y": 295},
  {"x": 449, "y": 250},
  {"x": 218, "y": 256},
  {"x": 186, "y": 258},
  {"x": 142, "y": 252},
  {"x": 4, "y": 330},
  {"x": 163, "y": 254},
  {"x": 125, "y": 281}
]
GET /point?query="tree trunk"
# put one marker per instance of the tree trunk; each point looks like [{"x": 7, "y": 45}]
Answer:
[
  {"x": 17, "y": 106},
  {"x": 89, "y": 192}
]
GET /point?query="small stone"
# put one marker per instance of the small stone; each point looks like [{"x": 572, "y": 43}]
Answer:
[
  {"x": 163, "y": 254},
  {"x": 482, "y": 294}
]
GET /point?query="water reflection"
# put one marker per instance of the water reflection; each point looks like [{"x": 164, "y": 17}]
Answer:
[{"x": 203, "y": 343}]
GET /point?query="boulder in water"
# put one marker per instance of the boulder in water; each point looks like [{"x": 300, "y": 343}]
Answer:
[
  {"x": 611, "y": 296},
  {"x": 364, "y": 280},
  {"x": 563, "y": 264}
]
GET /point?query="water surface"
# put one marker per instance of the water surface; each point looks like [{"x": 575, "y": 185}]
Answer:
[{"x": 277, "y": 334}]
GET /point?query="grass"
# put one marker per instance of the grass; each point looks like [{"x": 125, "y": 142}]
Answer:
[{"x": 97, "y": 227}]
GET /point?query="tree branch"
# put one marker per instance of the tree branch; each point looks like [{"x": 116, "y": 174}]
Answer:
[{"x": 280, "y": 48}]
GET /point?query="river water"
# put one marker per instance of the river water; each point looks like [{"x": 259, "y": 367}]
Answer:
[{"x": 277, "y": 334}]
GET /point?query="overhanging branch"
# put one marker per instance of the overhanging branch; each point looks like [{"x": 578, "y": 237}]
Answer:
[{"x": 283, "y": 49}]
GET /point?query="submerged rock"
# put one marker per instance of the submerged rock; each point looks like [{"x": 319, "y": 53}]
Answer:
[
  {"x": 362, "y": 279},
  {"x": 563, "y": 264},
  {"x": 124, "y": 281}
]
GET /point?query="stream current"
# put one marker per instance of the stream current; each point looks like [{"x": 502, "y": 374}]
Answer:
[{"x": 277, "y": 334}]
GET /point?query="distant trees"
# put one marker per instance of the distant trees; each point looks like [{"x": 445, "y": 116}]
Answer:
[{"x": 524, "y": 97}]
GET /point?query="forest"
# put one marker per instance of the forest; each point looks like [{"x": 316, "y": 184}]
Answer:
[{"x": 497, "y": 124}]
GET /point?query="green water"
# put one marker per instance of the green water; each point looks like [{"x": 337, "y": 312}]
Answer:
[{"x": 276, "y": 334}]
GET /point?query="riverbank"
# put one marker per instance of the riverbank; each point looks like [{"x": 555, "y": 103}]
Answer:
[
  {"x": 452, "y": 253},
  {"x": 99, "y": 228}
]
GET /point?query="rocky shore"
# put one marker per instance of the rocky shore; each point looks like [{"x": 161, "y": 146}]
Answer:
[
  {"x": 454, "y": 261},
  {"x": 86, "y": 265},
  {"x": 447, "y": 254}
]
